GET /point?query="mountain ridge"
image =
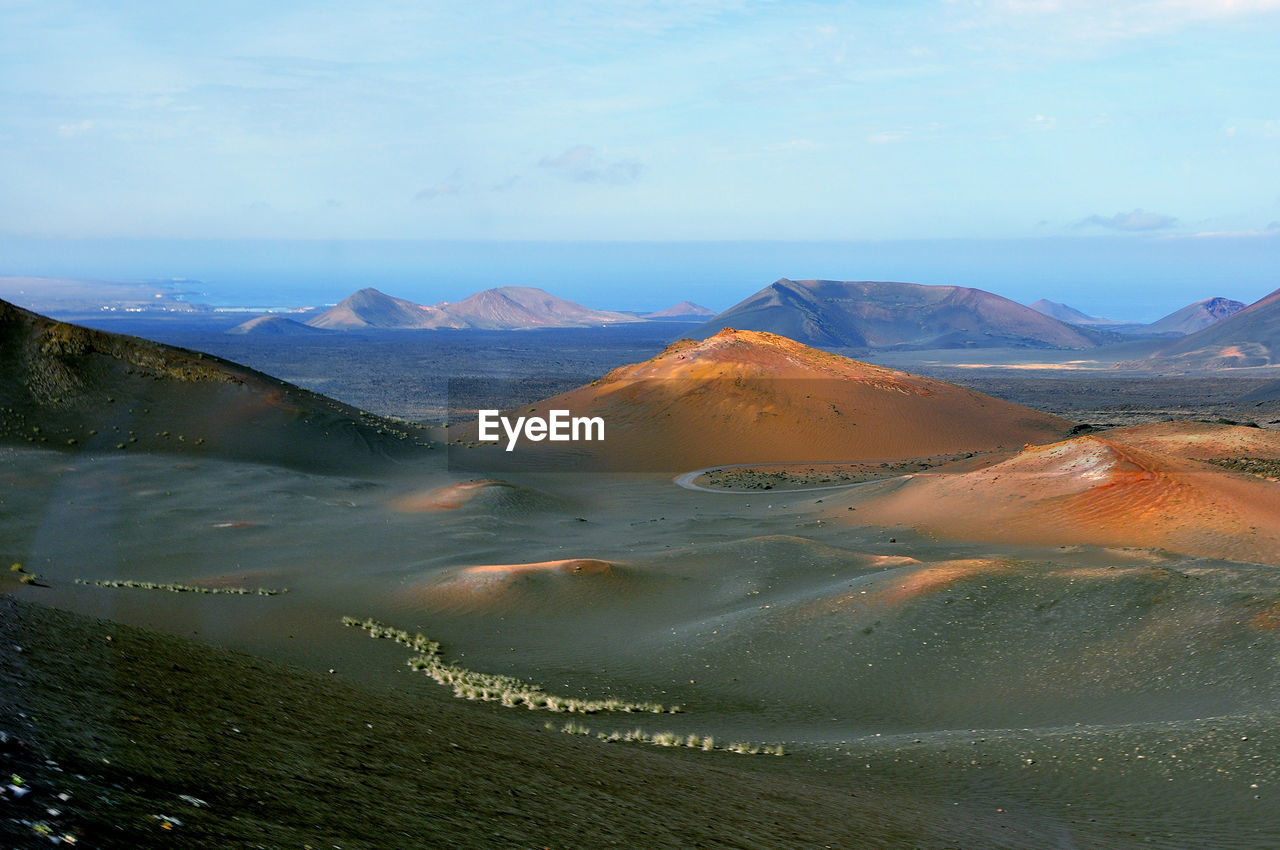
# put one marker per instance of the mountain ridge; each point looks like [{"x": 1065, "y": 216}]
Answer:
[
  {"x": 500, "y": 308},
  {"x": 886, "y": 314}
]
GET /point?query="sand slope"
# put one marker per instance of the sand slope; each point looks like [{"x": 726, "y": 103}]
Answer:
[
  {"x": 484, "y": 494},
  {"x": 548, "y": 586},
  {"x": 1199, "y": 440},
  {"x": 746, "y": 396},
  {"x": 1096, "y": 491}
]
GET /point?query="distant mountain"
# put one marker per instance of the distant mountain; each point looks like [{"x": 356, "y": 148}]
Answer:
[
  {"x": 77, "y": 389},
  {"x": 274, "y": 325},
  {"x": 522, "y": 307},
  {"x": 1195, "y": 317},
  {"x": 1070, "y": 315},
  {"x": 868, "y": 314},
  {"x": 683, "y": 310},
  {"x": 504, "y": 308},
  {"x": 1250, "y": 337},
  {"x": 370, "y": 308}
]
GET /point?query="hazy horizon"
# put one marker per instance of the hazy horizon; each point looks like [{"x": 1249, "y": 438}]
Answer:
[{"x": 1124, "y": 278}]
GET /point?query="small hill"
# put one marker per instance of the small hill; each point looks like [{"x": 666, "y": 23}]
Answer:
[
  {"x": 866, "y": 314},
  {"x": 73, "y": 388},
  {"x": 274, "y": 325},
  {"x": 746, "y": 396},
  {"x": 1200, "y": 440},
  {"x": 1090, "y": 490},
  {"x": 1250, "y": 337},
  {"x": 524, "y": 307},
  {"x": 503, "y": 308},
  {"x": 1195, "y": 317},
  {"x": 686, "y": 310},
  {"x": 1070, "y": 315},
  {"x": 370, "y": 308}
]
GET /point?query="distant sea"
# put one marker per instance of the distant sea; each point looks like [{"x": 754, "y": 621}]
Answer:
[{"x": 1137, "y": 277}]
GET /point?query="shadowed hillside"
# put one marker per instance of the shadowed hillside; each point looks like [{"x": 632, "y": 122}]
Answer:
[
  {"x": 886, "y": 315},
  {"x": 1195, "y": 317},
  {"x": 73, "y": 388},
  {"x": 207, "y": 748},
  {"x": 1250, "y": 337},
  {"x": 274, "y": 325}
]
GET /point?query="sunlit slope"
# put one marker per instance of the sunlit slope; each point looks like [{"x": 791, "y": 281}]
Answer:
[
  {"x": 1200, "y": 440},
  {"x": 746, "y": 396},
  {"x": 1090, "y": 490},
  {"x": 74, "y": 388}
]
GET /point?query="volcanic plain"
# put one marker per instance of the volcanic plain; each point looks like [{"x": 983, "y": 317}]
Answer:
[{"x": 884, "y": 609}]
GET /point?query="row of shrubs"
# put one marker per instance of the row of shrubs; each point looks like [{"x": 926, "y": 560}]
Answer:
[
  {"x": 181, "y": 588},
  {"x": 493, "y": 687},
  {"x": 706, "y": 743}
]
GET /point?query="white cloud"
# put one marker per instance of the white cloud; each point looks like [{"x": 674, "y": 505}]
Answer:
[
  {"x": 439, "y": 190},
  {"x": 69, "y": 130},
  {"x": 794, "y": 146},
  {"x": 1138, "y": 219},
  {"x": 887, "y": 137},
  {"x": 582, "y": 164}
]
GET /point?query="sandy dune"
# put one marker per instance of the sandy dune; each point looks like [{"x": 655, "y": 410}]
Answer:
[
  {"x": 1199, "y": 440},
  {"x": 1093, "y": 491},
  {"x": 497, "y": 587},
  {"x": 484, "y": 493}
]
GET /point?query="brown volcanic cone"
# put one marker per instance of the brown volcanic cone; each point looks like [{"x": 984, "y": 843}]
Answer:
[
  {"x": 68, "y": 387},
  {"x": 753, "y": 397},
  {"x": 370, "y": 308},
  {"x": 1094, "y": 491}
]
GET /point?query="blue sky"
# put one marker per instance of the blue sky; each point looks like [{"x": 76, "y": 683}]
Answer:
[{"x": 689, "y": 120}]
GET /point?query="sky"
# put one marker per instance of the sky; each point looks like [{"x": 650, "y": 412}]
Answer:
[{"x": 1073, "y": 125}]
